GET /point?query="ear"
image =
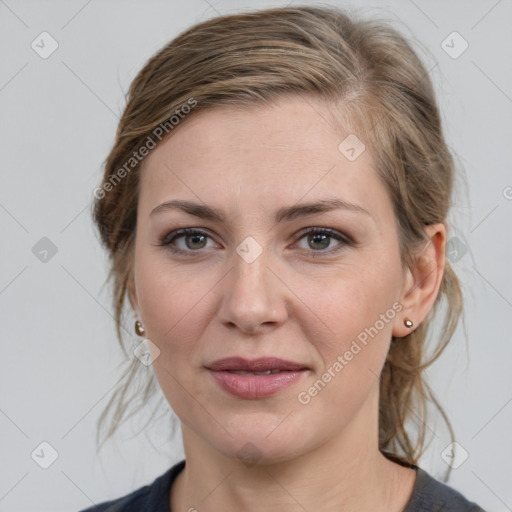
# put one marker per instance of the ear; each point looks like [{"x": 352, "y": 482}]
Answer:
[{"x": 422, "y": 280}]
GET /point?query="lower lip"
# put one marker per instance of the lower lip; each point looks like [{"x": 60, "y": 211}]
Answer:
[{"x": 255, "y": 386}]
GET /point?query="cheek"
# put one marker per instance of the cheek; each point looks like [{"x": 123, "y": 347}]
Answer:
[
  {"x": 172, "y": 303},
  {"x": 351, "y": 357},
  {"x": 175, "y": 310},
  {"x": 349, "y": 320},
  {"x": 338, "y": 307}
]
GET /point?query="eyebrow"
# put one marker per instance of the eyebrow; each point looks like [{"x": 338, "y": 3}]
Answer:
[{"x": 286, "y": 213}]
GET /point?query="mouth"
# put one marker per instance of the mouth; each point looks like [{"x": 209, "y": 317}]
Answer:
[
  {"x": 267, "y": 372},
  {"x": 252, "y": 379},
  {"x": 262, "y": 365}
]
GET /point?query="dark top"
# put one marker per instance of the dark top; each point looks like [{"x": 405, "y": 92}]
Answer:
[{"x": 429, "y": 495}]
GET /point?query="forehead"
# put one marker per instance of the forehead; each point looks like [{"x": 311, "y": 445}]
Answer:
[
  {"x": 279, "y": 153},
  {"x": 291, "y": 123}
]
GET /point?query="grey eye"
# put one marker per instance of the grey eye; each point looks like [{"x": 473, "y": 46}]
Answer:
[
  {"x": 319, "y": 240},
  {"x": 196, "y": 241}
]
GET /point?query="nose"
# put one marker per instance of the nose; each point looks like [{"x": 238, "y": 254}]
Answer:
[{"x": 254, "y": 300}]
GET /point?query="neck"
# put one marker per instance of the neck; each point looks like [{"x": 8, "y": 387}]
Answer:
[{"x": 346, "y": 472}]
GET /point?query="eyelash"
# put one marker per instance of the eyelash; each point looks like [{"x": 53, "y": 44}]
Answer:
[{"x": 171, "y": 237}]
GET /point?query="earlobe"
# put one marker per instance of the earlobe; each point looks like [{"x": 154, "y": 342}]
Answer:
[
  {"x": 400, "y": 329},
  {"x": 423, "y": 281}
]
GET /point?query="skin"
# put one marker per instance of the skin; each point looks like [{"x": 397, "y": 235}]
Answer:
[{"x": 299, "y": 300}]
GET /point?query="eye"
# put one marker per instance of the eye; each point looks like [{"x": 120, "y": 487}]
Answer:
[
  {"x": 187, "y": 240},
  {"x": 193, "y": 240},
  {"x": 323, "y": 240}
]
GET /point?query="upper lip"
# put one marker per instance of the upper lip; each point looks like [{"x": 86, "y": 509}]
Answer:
[{"x": 261, "y": 364}]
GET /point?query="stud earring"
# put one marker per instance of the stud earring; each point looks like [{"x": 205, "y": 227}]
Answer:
[
  {"x": 139, "y": 328},
  {"x": 408, "y": 323}
]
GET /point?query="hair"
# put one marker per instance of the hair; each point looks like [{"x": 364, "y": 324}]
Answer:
[{"x": 369, "y": 70}]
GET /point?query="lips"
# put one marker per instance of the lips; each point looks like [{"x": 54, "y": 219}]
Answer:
[
  {"x": 264, "y": 364},
  {"x": 258, "y": 378}
]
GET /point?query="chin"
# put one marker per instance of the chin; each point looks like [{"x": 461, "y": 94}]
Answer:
[
  {"x": 260, "y": 452},
  {"x": 259, "y": 442}
]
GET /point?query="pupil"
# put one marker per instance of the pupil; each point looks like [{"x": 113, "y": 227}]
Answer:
[
  {"x": 321, "y": 241},
  {"x": 192, "y": 240}
]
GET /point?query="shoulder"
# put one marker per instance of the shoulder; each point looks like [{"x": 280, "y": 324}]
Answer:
[
  {"x": 152, "y": 497},
  {"x": 430, "y": 495},
  {"x": 131, "y": 502}
]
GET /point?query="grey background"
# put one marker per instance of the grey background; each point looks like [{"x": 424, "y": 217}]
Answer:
[{"x": 59, "y": 356}]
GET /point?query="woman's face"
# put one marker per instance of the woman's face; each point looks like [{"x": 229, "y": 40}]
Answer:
[{"x": 291, "y": 264}]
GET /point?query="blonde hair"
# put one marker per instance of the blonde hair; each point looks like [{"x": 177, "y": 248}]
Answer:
[{"x": 368, "y": 69}]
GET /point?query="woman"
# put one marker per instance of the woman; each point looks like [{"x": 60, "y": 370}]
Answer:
[{"x": 275, "y": 207}]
